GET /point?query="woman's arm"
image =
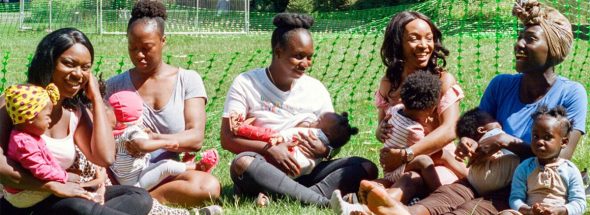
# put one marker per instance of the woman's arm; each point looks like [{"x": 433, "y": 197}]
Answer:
[
  {"x": 383, "y": 130},
  {"x": 568, "y": 151},
  {"x": 191, "y": 139},
  {"x": 279, "y": 152},
  {"x": 94, "y": 135}
]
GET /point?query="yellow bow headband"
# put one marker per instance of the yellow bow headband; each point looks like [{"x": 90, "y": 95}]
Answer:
[{"x": 25, "y": 101}]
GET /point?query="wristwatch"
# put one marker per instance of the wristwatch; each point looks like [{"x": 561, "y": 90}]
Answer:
[
  {"x": 330, "y": 152},
  {"x": 409, "y": 154}
]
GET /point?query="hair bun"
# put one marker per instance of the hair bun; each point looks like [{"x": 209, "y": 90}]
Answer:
[
  {"x": 293, "y": 20},
  {"x": 149, "y": 8}
]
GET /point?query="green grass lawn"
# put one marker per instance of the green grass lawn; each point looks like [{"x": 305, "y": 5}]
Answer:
[{"x": 348, "y": 64}]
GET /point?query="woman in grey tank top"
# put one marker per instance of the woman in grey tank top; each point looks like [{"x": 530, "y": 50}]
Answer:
[{"x": 167, "y": 91}]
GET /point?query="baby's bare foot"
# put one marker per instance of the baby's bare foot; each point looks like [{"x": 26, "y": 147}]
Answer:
[{"x": 262, "y": 200}]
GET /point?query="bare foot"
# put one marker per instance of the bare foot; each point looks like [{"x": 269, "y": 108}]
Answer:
[
  {"x": 262, "y": 200},
  {"x": 378, "y": 200}
]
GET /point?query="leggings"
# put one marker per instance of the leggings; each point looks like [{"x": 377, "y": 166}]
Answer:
[
  {"x": 315, "y": 188},
  {"x": 119, "y": 200}
]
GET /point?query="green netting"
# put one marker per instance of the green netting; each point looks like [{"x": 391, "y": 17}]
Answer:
[{"x": 480, "y": 35}]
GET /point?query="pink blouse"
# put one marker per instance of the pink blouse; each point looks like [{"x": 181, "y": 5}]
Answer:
[{"x": 33, "y": 155}]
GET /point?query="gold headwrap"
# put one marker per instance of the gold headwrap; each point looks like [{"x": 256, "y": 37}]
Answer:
[
  {"x": 556, "y": 26},
  {"x": 25, "y": 101}
]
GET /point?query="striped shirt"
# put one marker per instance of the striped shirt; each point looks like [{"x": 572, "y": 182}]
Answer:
[
  {"x": 127, "y": 167},
  {"x": 405, "y": 131}
]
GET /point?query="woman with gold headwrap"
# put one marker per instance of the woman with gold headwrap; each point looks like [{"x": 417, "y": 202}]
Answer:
[{"x": 511, "y": 98}]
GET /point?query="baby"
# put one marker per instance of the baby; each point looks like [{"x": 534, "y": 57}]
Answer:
[
  {"x": 29, "y": 108},
  {"x": 130, "y": 136},
  {"x": 420, "y": 94},
  {"x": 494, "y": 172},
  {"x": 331, "y": 128},
  {"x": 548, "y": 184}
]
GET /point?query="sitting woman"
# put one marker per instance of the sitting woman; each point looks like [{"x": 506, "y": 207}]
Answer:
[
  {"x": 274, "y": 96},
  {"x": 511, "y": 99},
  {"x": 64, "y": 57},
  {"x": 412, "y": 42},
  {"x": 166, "y": 91}
]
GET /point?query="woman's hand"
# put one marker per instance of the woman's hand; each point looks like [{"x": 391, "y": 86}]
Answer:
[
  {"x": 465, "y": 149},
  {"x": 283, "y": 158},
  {"x": 384, "y": 129},
  {"x": 99, "y": 194},
  {"x": 391, "y": 159},
  {"x": 68, "y": 189},
  {"x": 311, "y": 146},
  {"x": 92, "y": 88}
]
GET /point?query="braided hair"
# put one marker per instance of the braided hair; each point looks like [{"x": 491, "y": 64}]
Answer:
[
  {"x": 559, "y": 113},
  {"x": 341, "y": 131}
]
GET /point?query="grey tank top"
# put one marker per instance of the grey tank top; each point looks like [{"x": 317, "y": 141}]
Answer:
[{"x": 169, "y": 119}]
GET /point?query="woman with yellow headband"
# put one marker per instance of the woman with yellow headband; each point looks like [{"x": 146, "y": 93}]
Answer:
[
  {"x": 510, "y": 98},
  {"x": 30, "y": 107}
]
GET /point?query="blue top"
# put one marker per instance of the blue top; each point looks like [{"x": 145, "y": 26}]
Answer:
[
  {"x": 570, "y": 175},
  {"x": 502, "y": 101}
]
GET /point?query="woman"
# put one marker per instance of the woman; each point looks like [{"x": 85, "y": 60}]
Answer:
[
  {"x": 511, "y": 99},
  {"x": 275, "y": 96},
  {"x": 167, "y": 91},
  {"x": 412, "y": 42},
  {"x": 64, "y": 57}
]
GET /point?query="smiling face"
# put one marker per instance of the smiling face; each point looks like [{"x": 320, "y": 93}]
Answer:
[
  {"x": 531, "y": 50},
  {"x": 145, "y": 44},
  {"x": 295, "y": 57},
  {"x": 418, "y": 44},
  {"x": 547, "y": 139},
  {"x": 72, "y": 70}
]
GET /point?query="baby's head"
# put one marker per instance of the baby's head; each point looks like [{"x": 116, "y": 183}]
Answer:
[
  {"x": 127, "y": 106},
  {"x": 475, "y": 123},
  {"x": 550, "y": 132},
  {"x": 336, "y": 127},
  {"x": 30, "y": 106},
  {"x": 421, "y": 92}
]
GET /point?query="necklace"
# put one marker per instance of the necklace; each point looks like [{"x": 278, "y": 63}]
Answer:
[{"x": 272, "y": 80}]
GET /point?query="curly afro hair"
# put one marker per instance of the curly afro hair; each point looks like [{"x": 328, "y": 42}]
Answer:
[
  {"x": 148, "y": 10},
  {"x": 469, "y": 122},
  {"x": 420, "y": 91},
  {"x": 286, "y": 24}
]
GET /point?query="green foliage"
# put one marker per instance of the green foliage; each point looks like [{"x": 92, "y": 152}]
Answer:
[
  {"x": 269, "y": 5},
  {"x": 301, "y": 6},
  {"x": 332, "y": 5}
]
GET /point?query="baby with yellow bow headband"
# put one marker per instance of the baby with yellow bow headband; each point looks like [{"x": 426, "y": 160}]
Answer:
[{"x": 29, "y": 108}]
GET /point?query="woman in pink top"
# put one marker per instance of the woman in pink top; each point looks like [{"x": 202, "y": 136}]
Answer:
[{"x": 412, "y": 42}]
